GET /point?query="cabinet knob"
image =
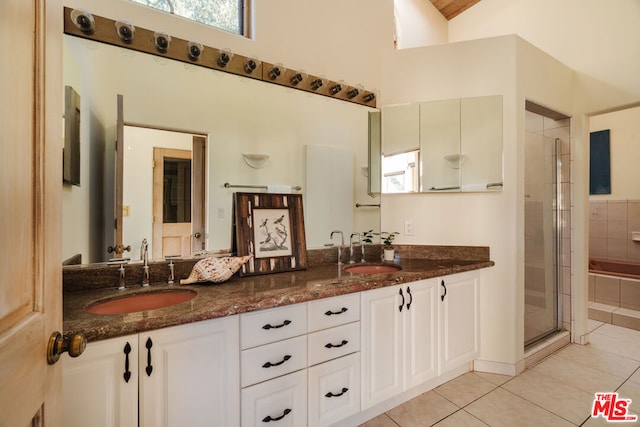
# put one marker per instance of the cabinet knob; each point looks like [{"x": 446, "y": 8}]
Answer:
[{"x": 74, "y": 345}]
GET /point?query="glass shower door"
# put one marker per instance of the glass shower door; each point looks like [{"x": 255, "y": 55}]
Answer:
[{"x": 542, "y": 237}]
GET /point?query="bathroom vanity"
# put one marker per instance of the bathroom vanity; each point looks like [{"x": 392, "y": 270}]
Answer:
[{"x": 313, "y": 347}]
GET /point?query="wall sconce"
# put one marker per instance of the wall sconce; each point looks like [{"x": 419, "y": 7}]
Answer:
[
  {"x": 256, "y": 161},
  {"x": 162, "y": 40},
  {"x": 195, "y": 49},
  {"x": 455, "y": 161},
  {"x": 82, "y": 19},
  {"x": 317, "y": 83},
  {"x": 125, "y": 30},
  {"x": 251, "y": 65},
  {"x": 224, "y": 57},
  {"x": 298, "y": 78},
  {"x": 276, "y": 71}
]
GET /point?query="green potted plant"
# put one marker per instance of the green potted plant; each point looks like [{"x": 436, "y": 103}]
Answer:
[
  {"x": 367, "y": 236},
  {"x": 387, "y": 241}
]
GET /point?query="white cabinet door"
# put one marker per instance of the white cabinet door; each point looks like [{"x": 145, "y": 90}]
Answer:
[
  {"x": 400, "y": 128},
  {"x": 334, "y": 390},
  {"x": 281, "y": 401},
  {"x": 381, "y": 343},
  {"x": 460, "y": 319},
  {"x": 420, "y": 332},
  {"x": 100, "y": 388},
  {"x": 189, "y": 374}
]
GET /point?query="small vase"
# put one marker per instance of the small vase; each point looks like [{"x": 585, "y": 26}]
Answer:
[{"x": 389, "y": 254}]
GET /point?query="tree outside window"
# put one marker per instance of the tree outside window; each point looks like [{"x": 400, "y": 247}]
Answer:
[{"x": 227, "y": 15}]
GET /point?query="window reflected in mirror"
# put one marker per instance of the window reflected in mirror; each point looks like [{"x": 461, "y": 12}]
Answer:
[
  {"x": 400, "y": 172},
  {"x": 177, "y": 190}
]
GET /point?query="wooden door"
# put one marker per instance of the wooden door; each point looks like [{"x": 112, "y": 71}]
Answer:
[
  {"x": 118, "y": 244},
  {"x": 178, "y": 199},
  {"x": 171, "y": 202},
  {"x": 30, "y": 202}
]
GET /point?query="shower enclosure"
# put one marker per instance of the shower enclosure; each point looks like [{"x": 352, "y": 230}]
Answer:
[{"x": 546, "y": 210}]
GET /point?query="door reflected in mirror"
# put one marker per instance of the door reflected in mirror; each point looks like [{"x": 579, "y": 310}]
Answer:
[{"x": 163, "y": 191}]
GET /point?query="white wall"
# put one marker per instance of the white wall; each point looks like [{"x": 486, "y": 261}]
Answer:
[
  {"x": 598, "y": 39},
  {"x": 419, "y": 23},
  {"x": 625, "y": 152}
]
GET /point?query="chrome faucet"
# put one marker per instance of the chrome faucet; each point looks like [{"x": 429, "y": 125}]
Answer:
[
  {"x": 144, "y": 256},
  {"x": 341, "y": 244},
  {"x": 351, "y": 261},
  {"x": 122, "y": 285},
  {"x": 172, "y": 271},
  {"x": 121, "y": 281}
]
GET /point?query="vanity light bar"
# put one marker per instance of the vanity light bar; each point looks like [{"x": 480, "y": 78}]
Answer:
[{"x": 81, "y": 23}]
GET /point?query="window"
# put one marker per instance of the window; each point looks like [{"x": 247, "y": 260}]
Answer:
[
  {"x": 399, "y": 173},
  {"x": 227, "y": 15}
]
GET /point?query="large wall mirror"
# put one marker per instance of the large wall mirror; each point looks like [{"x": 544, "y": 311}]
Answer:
[
  {"x": 313, "y": 142},
  {"x": 452, "y": 145}
]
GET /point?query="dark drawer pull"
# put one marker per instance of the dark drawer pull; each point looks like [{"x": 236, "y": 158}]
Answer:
[
  {"x": 149, "y": 367},
  {"x": 343, "y": 343},
  {"x": 270, "y": 365},
  {"x": 268, "y": 418},
  {"x": 344, "y": 390},
  {"x": 329, "y": 313},
  {"x": 127, "y": 372},
  {"x": 268, "y": 326}
]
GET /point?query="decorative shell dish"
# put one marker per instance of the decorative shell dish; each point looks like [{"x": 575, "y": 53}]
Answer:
[{"x": 215, "y": 269}]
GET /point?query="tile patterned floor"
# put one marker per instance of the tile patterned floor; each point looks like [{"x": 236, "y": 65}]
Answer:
[{"x": 558, "y": 391}]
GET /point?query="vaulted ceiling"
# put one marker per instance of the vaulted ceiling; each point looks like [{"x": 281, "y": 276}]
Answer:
[{"x": 452, "y": 8}]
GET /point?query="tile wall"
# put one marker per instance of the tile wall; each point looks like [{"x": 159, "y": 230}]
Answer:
[{"x": 610, "y": 225}]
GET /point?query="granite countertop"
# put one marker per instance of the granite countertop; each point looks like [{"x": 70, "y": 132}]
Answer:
[{"x": 241, "y": 295}]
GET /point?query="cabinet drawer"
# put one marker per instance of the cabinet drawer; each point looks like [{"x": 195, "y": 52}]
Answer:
[
  {"x": 330, "y": 312},
  {"x": 334, "y": 390},
  {"x": 283, "y": 400},
  {"x": 265, "y": 326},
  {"x": 332, "y": 343},
  {"x": 273, "y": 360}
]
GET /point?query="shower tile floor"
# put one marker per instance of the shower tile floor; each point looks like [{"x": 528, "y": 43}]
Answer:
[{"x": 558, "y": 391}]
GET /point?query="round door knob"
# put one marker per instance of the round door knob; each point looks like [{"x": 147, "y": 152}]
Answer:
[
  {"x": 75, "y": 345},
  {"x": 197, "y": 235}
]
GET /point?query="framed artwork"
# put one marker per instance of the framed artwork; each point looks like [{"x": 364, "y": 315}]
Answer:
[
  {"x": 271, "y": 228},
  {"x": 600, "y": 162}
]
